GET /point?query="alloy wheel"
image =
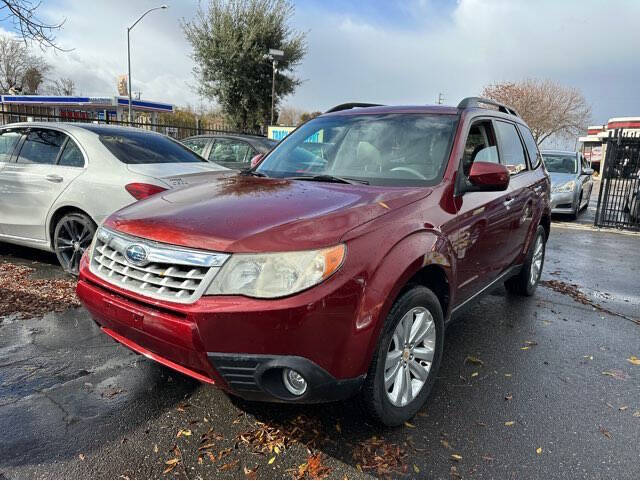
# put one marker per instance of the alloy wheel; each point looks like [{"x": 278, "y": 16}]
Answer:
[
  {"x": 73, "y": 237},
  {"x": 409, "y": 356},
  {"x": 536, "y": 261}
]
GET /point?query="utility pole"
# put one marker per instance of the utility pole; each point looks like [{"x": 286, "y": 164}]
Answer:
[
  {"x": 440, "y": 100},
  {"x": 274, "y": 55}
]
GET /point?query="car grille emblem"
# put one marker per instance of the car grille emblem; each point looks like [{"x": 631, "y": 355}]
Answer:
[{"x": 136, "y": 254}]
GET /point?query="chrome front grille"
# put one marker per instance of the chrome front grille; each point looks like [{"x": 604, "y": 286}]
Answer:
[{"x": 167, "y": 272}]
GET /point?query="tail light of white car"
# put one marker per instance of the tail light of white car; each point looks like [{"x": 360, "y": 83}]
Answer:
[{"x": 141, "y": 190}]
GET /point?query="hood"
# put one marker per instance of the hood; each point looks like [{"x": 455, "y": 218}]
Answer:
[
  {"x": 179, "y": 173},
  {"x": 250, "y": 214},
  {"x": 558, "y": 178}
]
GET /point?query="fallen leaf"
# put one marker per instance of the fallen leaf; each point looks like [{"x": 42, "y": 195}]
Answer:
[
  {"x": 616, "y": 374},
  {"x": 636, "y": 414},
  {"x": 474, "y": 374},
  {"x": 409, "y": 425},
  {"x": 250, "y": 473},
  {"x": 276, "y": 449},
  {"x": 229, "y": 465},
  {"x": 524, "y": 348},
  {"x": 338, "y": 428},
  {"x": 172, "y": 463},
  {"x": 634, "y": 360},
  {"x": 416, "y": 469},
  {"x": 539, "y": 451},
  {"x": 473, "y": 360},
  {"x": 81, "y": 456},
  {"x": 184, "y": 432},
  {"x": 507, "y": 375},
  {"x": 623, "y": 408},
  {"x": 454, "y": 472},
  {"x": 508, "y": 397},
  {"x": 445, "y": 443},
  {"x": 155, "y": 448},
  {"x": 509, "y": 423},
  {"x": 272, "y": 460},
  {"x": 590, "y": 358},
  {"x": 456, "y": 457},
  {"x": 484, "y": 425},
  {"x": 605, "y": 433}
]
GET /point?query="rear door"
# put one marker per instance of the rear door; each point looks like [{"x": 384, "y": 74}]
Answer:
[
  {"x": 200, "y": 145},
  {"x": 231, "y": 153},
  {"x": 519, "y": 202},
  {"x": 35, "y": 180}
]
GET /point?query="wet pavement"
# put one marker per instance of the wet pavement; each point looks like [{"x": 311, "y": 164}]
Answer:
[{"x": 537, "y": 387}]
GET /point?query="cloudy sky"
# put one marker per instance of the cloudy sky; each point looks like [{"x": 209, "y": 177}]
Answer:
[{"x": 387, "y": 51}]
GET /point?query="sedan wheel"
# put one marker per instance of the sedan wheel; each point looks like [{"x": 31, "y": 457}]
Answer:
[{"x": 72, "y": 236}]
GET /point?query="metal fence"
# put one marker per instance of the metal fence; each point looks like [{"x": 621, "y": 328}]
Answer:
[
  {"x": 619, "y": 198},
  {"x": 177, "y": 130}
]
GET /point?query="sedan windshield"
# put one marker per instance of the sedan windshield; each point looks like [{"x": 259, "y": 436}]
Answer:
[
  {"x": 561, "y": 164},
  {"x": 378, "y": 149},
  {"x": 131, "y": 147}
]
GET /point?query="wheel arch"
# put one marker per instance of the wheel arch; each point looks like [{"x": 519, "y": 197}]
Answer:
[{"x": 58, "y": 214}]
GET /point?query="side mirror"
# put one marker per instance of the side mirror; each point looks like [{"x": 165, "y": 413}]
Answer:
[
  {"x": 588, "y": 171},
  {"x": 256, "y": 159},
  {"x": 487, "y": 177}
]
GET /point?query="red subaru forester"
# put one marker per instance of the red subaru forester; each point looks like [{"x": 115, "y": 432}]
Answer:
[{"x": 332, "y": 268}]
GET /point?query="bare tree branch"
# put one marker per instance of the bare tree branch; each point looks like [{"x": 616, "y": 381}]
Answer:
[
  {"x": 26, "y": 23},
  {"x": 548, "y": 107}
]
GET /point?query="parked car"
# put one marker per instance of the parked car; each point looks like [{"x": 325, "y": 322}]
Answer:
[
  {"x": 571, "y": 182},
  {"x": 58, "y": 181},
  {"x": 232, "y": 151},
  {"x": 315, "y": 279}
]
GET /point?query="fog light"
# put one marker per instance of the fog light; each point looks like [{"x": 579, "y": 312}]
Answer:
[{"x": 294, "y": 382}]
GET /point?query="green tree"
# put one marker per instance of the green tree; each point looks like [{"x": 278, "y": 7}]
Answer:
[{"x": 229, "y": 40}]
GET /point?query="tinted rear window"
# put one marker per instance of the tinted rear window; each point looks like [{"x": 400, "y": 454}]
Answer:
[{"x": 145, "y": 148}]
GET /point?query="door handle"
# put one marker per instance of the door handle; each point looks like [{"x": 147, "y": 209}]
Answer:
[
  {"x": 508, "y": 201},
  {"x": 54, "y": 178}
]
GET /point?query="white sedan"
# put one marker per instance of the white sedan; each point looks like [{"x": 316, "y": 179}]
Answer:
[{"x": 58, "y": 181}]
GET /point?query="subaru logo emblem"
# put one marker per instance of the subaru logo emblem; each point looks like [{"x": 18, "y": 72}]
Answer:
[{"x": 136, "y": 254}]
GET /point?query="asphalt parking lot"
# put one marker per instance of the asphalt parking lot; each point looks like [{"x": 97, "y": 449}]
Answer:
[{"x": 543, "y": 387}]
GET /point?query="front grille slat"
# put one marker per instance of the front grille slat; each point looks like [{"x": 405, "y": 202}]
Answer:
[{"x": 173, "y": 282}]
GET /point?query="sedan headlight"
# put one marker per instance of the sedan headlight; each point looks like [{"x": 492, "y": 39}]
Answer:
[
  {"x": 276, "y": 274},
  {"x": 566, "y": 187}
]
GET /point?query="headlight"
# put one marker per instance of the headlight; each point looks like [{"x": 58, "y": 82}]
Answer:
[
  {"x": 566, "y": 187},
  {"x": 276, "y": 274}
]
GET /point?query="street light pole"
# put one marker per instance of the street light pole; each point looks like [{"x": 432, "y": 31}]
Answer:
[
  {"x": 274, "y": 55},
  {"x": 161, "y": 7}
]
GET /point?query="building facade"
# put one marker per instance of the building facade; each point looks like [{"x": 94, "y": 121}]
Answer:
[{"x": 594, "y": 145}]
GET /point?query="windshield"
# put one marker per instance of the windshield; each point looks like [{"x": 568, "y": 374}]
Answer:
[
  {"x": 385, "y": 149},
  {"x": 561, "y": 164},
  {"x": 145, "y": 148}
]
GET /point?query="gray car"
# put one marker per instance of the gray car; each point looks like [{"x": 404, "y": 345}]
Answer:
[
  {"x": 571, "y": 182},
  {"x": 231, "y": 151}
]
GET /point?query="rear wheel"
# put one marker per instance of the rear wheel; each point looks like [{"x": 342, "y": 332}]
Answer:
[
  {"x": 526, "y": 281},
  {"x": 72, "y": 236},
  {"x": 407, "y": 358}
]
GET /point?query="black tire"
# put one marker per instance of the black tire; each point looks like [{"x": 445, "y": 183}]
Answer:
[
  {"x": 71, "y": 237},
  {"x": 373, "y": 396},
  {"x": 523, "y": 283}
]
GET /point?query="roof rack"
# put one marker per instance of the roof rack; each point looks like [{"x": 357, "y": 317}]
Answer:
[
  {"x": 351, "y": 105},
  {"x": 477, "y": 101}
]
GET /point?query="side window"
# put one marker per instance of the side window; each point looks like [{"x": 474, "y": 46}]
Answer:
[
  {"x": 71, "y": 155},
  {"x": 197, "y": 145},
  {"x": 585, "y": 164},
  {"x": 41, "y": 147},
  {"x": 511, "y": 148},
  {"x": 8, "y": 141},
  {"x": 480, "y": 145},
  {"x": 227, "y": 150},
  {"x": 534, "y": 154}
]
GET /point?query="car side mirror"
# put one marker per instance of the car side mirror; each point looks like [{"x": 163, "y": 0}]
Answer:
[
  {"x": 256, "y": 159},
  {"x": 588, "y": 171},
  {"x": 487, "y": 177}
]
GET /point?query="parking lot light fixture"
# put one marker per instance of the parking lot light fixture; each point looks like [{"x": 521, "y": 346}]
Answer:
[
  {"x": 161, "y": 7},
  {"x": 274, "y": 55}
]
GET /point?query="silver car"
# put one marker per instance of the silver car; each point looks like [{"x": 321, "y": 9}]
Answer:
[
  {"x": 571, "y": 182},
  {"x": 58, "y": 181}
]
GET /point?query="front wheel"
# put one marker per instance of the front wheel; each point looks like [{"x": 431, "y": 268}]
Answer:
[
  {"x": 72, "y": 236},
  {"x": 526, "y": 281},
  {"x": 407, "y": 358}
]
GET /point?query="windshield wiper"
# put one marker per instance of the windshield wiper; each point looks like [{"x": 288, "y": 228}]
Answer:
[
  {"x": 329, "y": 178},
  {"x": 252, "y": 172}
]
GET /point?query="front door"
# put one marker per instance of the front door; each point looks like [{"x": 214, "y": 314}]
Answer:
[{"x": 481, "y": 234}]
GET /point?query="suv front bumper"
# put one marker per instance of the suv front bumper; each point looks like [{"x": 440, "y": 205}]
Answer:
[{"x": 241, "y": 345}]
